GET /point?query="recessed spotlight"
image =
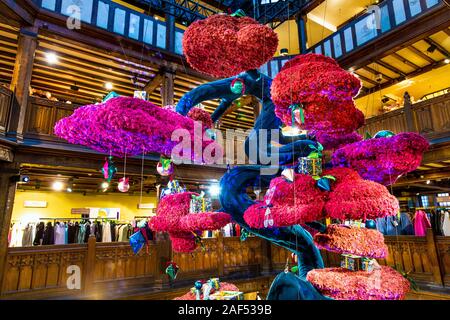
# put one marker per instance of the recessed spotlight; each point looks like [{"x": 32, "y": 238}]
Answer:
[
  {"x": 447, "y": 61},
  {"x": 57, "y": 186},
  {"x": 108, "y": 86},
  {"x": 105, "y": 185},
  {"x": 25, "y": 179},
  {"x": 51, "y": 57},
  {"x": 428, "y": 181}
]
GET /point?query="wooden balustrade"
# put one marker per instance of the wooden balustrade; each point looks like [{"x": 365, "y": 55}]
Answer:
[
  {"x": 5, "y": 107},
  {"x": 108, "y": 267},
  {"x": 430, "y": 118}
]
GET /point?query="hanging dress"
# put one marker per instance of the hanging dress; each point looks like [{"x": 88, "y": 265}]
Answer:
[
  {"x": 446, "y": 225},
  {"x": 421, "y": 223}
]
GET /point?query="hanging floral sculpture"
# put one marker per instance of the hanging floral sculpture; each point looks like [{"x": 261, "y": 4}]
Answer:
[
  {"x": 224, "y": 45},
  {"x": 173, "y": 216},
  {"x": 323, "y": 90},
  {"x": 125, "y": 126},
  {"x": 303, "y": 200},
  {"x": 383, "y": 159}
]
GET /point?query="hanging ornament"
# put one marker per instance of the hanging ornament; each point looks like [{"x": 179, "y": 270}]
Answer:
[
  {"x": 288, "y": 174},
  {"x": 384, "y": 134},
  {"x": 110, "y": 95},
  {"x": 165, "y": 166},
  {"x": 297, "y": 113},
  {"x": 238, "y": 13},
  {"x": 244, "y": 234},
  {"x": 370, "y": 224},
  {"x": 109, "y": 169},
  {"x": 294, "y": 269},
  {"x": 198, "y": 287},
  {"x": 324, "y": 182},
  {"x": 124, "y": 184},
  {"x": 237, "y": 86},
  {"x": 172, "y": 270}
]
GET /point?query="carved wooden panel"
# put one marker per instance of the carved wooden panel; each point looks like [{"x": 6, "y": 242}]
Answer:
[
  {"x": 443, "y": 248},
  {"x": 116, "y": 261},
  {"x": 43, "y": 267}
]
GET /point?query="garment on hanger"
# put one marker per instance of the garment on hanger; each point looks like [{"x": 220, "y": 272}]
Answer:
[
  {"x": 49, "y": 234},
  {"x": 392, "y": 226},
  {"x": 60, "y": 233},
  {"x": 106, "y": 235},
  {"x": 421, "y": 223},
  {"x": 17, "y": 235},
  {"x": 39, "y": 237},
  {"x": 29, "y": 234},
  {"x": 446, "y": 224}
]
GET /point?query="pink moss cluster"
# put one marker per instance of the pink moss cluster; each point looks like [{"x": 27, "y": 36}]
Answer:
[
  {"x": 383, "y": 160},
  {"x": 224, "y": 46},
  {"x": 352, "y": 240},
  {"x": 343, "y": 284},
  {"x": 125, "y": 126}
]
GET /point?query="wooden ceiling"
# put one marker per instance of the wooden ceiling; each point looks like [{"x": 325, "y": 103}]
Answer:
[
  {"x": 90, "y": 69},
  {"x": 405, "y": 63}
]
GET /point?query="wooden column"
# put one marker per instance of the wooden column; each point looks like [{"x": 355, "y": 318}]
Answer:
[
  {"x": 408, "y": 112},
  {"x": 167, "y": 88},
  {"x": 266, "y": 254},
  {"x": 163, "y": 255},
  {"x": 433, "y": 254},
  {"x": 89, "y": 269},
  {"x": 9, "y": 174},
  {"x": 220, "y": 255},
  {"x": 21, "y": 79}
]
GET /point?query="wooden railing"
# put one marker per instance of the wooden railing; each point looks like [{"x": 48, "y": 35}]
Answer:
[
  {"x": 430, "y": 118},
  {"x": 110, "y": 267},
  {"x": 42, "y": 115},
  {"x": 5, "y": 107}
]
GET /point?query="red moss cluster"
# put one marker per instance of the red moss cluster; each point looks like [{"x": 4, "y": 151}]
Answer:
[
  {"x": 352, "y": 240},
  {"x": 324, "y": 89},
  {"x": 172, "y": 216},
  {"x": 302, "y": 201},
  {"x": 224, "y": 46}
]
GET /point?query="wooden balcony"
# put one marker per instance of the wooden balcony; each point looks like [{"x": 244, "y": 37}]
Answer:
[
  {"x": 431, "y": 118},
  {"x": 112, "y": 268}
]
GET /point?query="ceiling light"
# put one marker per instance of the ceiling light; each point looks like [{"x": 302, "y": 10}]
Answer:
[
  {"x": 284, "y": 52},
  {"x": 25, "y": 179},
  {"x": 214, "y": 190},
  {"x": 51, "y": 57},
  {"x": 108, "y": 86},
  {"x": 105, "y": 185},
  {"x": 57, "y": 186},
  {"x": 69, "y": 189},
  {"x": 447, "y": 61},
  {"x": 428, "y": 181}
]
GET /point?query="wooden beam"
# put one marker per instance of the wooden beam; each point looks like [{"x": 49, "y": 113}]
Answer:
[
  {"x": 154, "y": 83},
  {"x": 167, "y": 89},
  {"x": 367, "y": 79},
  {"x": 439, "y": 48},
  {"x": 374, "y": 72},
  {"x": 390, "y": 68},
  {"x": 421, "y": 54},
  {"x": 405, "y": 61}
]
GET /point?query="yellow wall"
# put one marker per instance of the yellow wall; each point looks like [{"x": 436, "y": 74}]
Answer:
[
  {"x": 288, "y": 37},
  {"x": 59, "y": 204}
]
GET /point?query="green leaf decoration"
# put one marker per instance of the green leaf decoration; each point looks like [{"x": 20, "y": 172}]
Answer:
[
  {"x": 329, "y": 177},
  {"x": 367, "y": 136}
]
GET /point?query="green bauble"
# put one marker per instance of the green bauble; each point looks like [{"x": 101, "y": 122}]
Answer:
[
  {"x": 384, "y": 134},
  {"x": 237, "y": 87}
]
